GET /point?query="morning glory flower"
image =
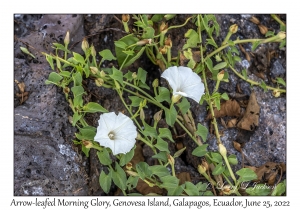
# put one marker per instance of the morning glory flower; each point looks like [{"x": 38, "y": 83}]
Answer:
[
  {"x": 184, "y": 82},
  {"x": 116, "y": 132}
]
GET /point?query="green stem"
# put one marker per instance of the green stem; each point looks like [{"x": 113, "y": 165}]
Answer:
[
  {"x": 230, "y": 170},
  {"x": 253, "y": 82},
  {"x": 275, "y": 17},
  {"x": 124, "y": 62},
  {"x": 187, "y": 131}
]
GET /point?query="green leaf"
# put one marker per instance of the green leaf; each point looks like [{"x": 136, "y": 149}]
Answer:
[
  {"x": 143, "y": 170},
  {"x": 191, "y": 189},
  {"x": 189, "y": 55},
  {"x": 120, "y": 44},
  {"x": 104, "y": 157},
  {"x": 119, "y": 177},
  {"x": 75, "y": 118},
  {"x": 171, "y": 115},
  {"x": 225, "y": 96},
  {"x": 216, "y": 157},
  {"x": 77, "y": 91},
  {"x": 244, "y": 72},
  {"x": 176, "y": 191},
  {"x": 208, "y": 193},
  {"x": 212, "y": 42},
  {"x": 125, "y": 158},
  {"x": 184, "y": 105},
  {"x": 165, "y": 133},
  {"x": 200, "y": 150},
  {"x": 246, "y": 174},
  {"x": 280, "y": 81},
  {"x": 202, "y": 132},
  {"x": 141, "y": 75},
  {"x": 135, "y": 101},
  {"x": 54, "y": 78},
  {"x": 220, "y": 66},
  {"x": 78, "y": 58},
  {"x": 107, "y": 55},
  {"x": 201, "y": 186},
  {"x": 258, "y": 189},
  {"x": 85, "y": 150},
  {"x": 193, "y": 39},
  {"x": 233, "y": 49},
  {"x": 270, "y": 33},
  {"x": 232, "y": 159},
  {"x": 149, "y": 131},
  {"x": 148, "y": 33},
  {"x": 163, "y": 95},
  {"x": 157, "y": 17},
  {"x": 105, "y": 181},
  {"x": 237, "y": 58},
  {"x": 209, "y": 64},
  {"x": 263, "y": 86},
  {"x": 127, "y": 40},
  {"x": 255, "y": 45},
  {"x": 159, "y": 170},
  {"x": 61, "y": 47},
  {"x": 65, "y": 74},
  {"x": 179, "y": 152},
  {"x": 117, "y": 75},
  {"x": 169, "y": 16},
  {"x": 217, "y": 103},
  {"x": 279, "y": 189},
  {"x": 77, "y": 78},
  {"x": 88, "y": 132},
  {"x": 93, "y": 107},
  {"x": 161, "y": 145},
  {"x": 132, "y": 182},
  {"x": 218, "y": 169},
  {"x": 161, "y": 156},
  {"x": 169, "y": 182}
]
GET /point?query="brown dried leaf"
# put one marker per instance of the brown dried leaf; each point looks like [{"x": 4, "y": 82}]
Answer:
[
  {"x": 232, "y": 123},
  {"x": 229, "y": 108},
  {"x": 143, "y": 188},
  {"x": 183, "y": 177},
  {"x": 251, "y": 117},
  {"x": 245, "y": 52},
  {"x": 254, "y": 20},
  {"x": 263, "y": 29}
]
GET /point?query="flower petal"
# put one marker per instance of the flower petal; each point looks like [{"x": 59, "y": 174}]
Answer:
[
  {"x": 172, "y": 76},
  {"x": 121, "y": 127}
]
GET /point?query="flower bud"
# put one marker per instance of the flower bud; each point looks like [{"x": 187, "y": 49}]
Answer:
[
  {"x": 125, "y": 18},
  {"x": 201, "y": 169},
  {"x": 171, "y": 160},
  {"x": 155, "y": 83},
  {"x": 93, "y": 51},
  {"x": 222, "y": 150},
  {"x": 84, "y": 45},
  {"x": 276, "y": 93},
  {"x": 99, "y": 82},
  {"x": 157, "y": 116},
  {"x": 281, "y": 35},
  {"x": 117, "y": 85},
  {"x": 142, "y": 114},
  {"x": 220, "y": 75},
  {"x": 67, "y": 38},
  {"x": 204, "y": 163},
  {"x": 144, "y": 42},
  {"x": 87, "y": 144},
  {"x": 168, "y": 42},
  {"x": 163, "y": 50},
  {"x": 102, "y": 74},
  {"x": 129, "y": 166},
  {"x": 134, "y": 76},
  {"x": 94, "y": 70},
  {"x": 176, "y": 98},
  {"x": 66, "y": 90},
  {"x": 163, "y": 27},
  {"x": 233, "y": 29},
  {"x": 132, "y": 173}
]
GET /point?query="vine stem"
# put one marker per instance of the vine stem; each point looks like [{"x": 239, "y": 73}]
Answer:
[{"x": 253, "y": 82}]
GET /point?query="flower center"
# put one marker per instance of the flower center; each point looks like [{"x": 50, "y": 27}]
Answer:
[{"x": 111, "y": 135}]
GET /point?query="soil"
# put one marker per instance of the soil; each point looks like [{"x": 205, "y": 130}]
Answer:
[{"x": 46, "y": 162}]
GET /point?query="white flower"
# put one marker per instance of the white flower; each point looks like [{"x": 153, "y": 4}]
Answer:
[
  {"x": 116, "y": 132},
  {"x": 184, "y": 82}
]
